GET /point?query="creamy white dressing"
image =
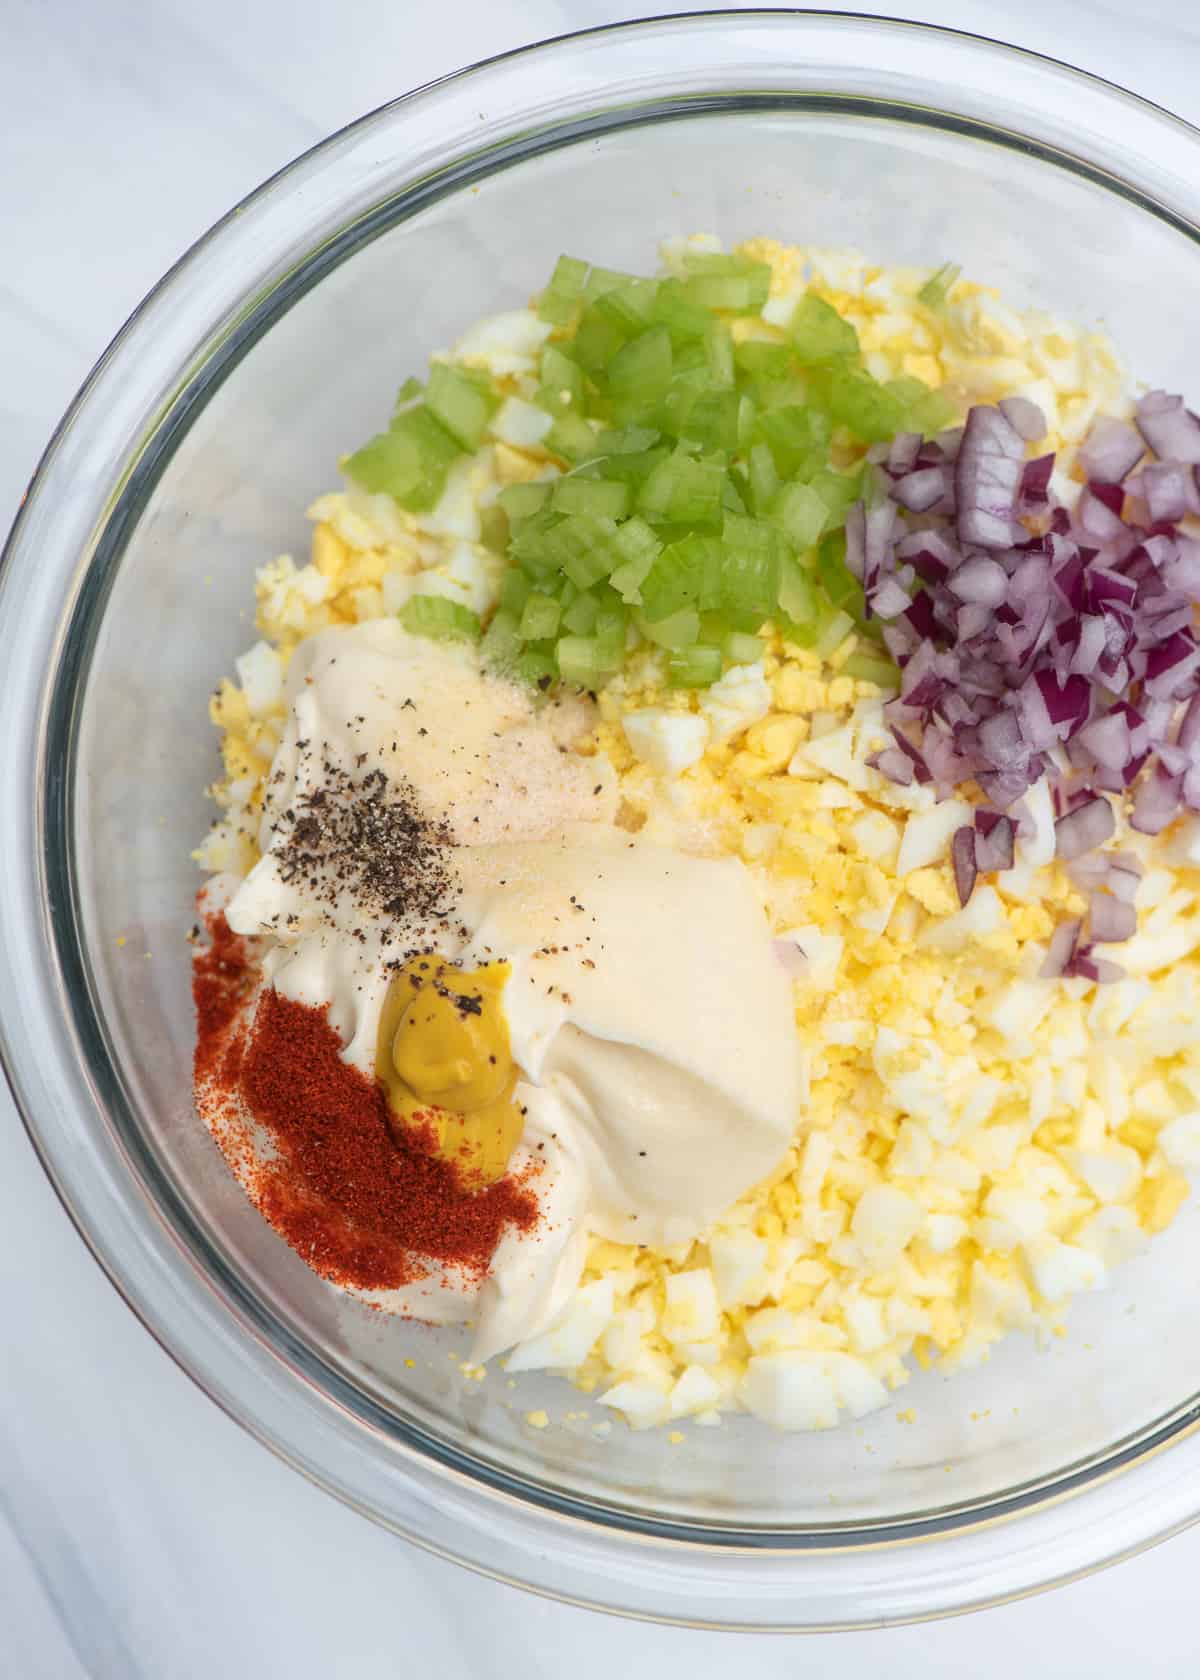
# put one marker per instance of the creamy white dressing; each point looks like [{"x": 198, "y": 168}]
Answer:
[{"x": 650, "y": 1020}]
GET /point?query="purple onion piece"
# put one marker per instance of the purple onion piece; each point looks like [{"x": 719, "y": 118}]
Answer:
[
  {"x": 1025, "y": 417},
  {"x": 920, "y": 490},
  {"x": 962, "y": 851},
  {"x": 1111, "y": 450},
  {"x": 1110, "y": 922},
  {"x": 987, "y": 478},
  {"x": 1166, "y": 425},
  {"x": 1156, "y": 802},
  {"x": 1084, "y": 828},
  {"x": 1061, "y": 949}
]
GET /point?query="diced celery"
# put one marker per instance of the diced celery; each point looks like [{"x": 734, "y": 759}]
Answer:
[
  {"x": 764, "y": 479},
  {"x": 462, "y": 400},
  {"x": 797, "y": 598},
  {"x": 718, "y": 348},
  {"x": 606, "y": 498},
  {"x": 601, "y": 280},
  {"x": 562, "y": 381},
  {"x": 684, "y": 490},
  {"x": 747, "y": 420},
  {"x": 539, "y": 618},
  {"x": 584, "y": 548},
  {"x": 678, "y": 630},
  {"x": 630, "y": 307},
  {"x": 717, "y": 281},
  {"x": 834, "y": 576},
  {"x": 934, "y": 292},
  {"x": 695, "y": 667},
  {"x": 626, "y": 440},
  {"x": 865, "y": 668},
  {"x": 864, "y": 406},
  {"x": 597, "y": 340},
  {"x": 686, "y": 323},
  {"x": 443, "y": 620},
  {"x": 839, "y": 491},
  {"x": 409, "y": 461},
  {"x": 611, "y": 623},
  {"x": 759, "y": 359},
  {"x": 802, "y": 512},
  {"x": 519, "y": 501},
  {"x": 741, "y": 648},
  {"x": 533, "y": 544},
  {"x": 537, "y": 664},
  {"x": 712, "y": 421},
  {"x": 798, "y": 438},
  {"x": 833, "y": 634},
  {"x": 579, "y": 661},
  {"x": 632, "y": 467},
  {"x": 493, "y": 528},
  {"x": 501, "y": 644},
  {"x": 750, "y": 581},
  {"x": 515, "y": 589},
  {"x": 408, "y": 393},
  {"x": 580, "y": 616},
  {"x": 571, "y": 437},
  {"x": 639, "y": 374},
  {"x": 686, "y": 573},
  {"x": 818, "y": 333},
  {"x": 561, "y": 296}
]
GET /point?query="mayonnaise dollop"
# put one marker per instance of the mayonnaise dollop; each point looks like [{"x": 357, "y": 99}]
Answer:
[{"x": 651, "y": 1023}]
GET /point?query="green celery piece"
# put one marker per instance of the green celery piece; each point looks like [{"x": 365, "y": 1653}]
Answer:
[
  {"x": 630, "y": 308},
  {"x": 796, "y": 597},
  {"x": 562, "y": 381},
  {"x": 601, "y": 280},
  {"x": 865, "y": 407},
  {"x": 695, "y": 667},
  {"x": 537, "y": 665},
  {"x": 712, "y": 421},
  {"x": 798, "y": 438},
  {"x": 409, "y": 461},
  {"x": 462, "y": 400},
  {"x": 561, "y": 297},
  {"x": 802, "y": 513},
  {"x": 626, "y": 440},
  {"x": 934, "y": 292},
  {"x": 580, "y": 616},
  {"x": 408, "y": 393},
  {"x": 750, "y": 582},
  {"x": 764, "y": 477},
  {"x": 721, "y": 356},
  {"x": 638, "y": 548},
  {"x": 717, "y": 281},
  {"x": 533, "y": 544},
  {"x": 839, "y": 491},
  {"x": 678, "y": 630},
  {"x": 836, "y": 579},
  {"x": 493, "y": 528},
  {"x": 520, "y": 501},
  {"x": 440, "y": 619},
  {"x": 686, "y": 322},
  {"x": 607, "y": 498},
  {"x": 741, "y": 648},
  {"x": 747, "y": 420},
  {"x": 686, "y": 573},
  {"x": 818, "y": 333},
  {"x": 833, "y": 633},
  {"x": 584, "y": 547},
  {"x": 732, "y": 499},
  {"x": 578, "y": 660},
  {"x": 684, "y": 489},
  {"x": 864, "y": 668},
  {"x": 515, "y": 589},
  {"x": 500, "y": 645},
  {"x": 612, "y": 621},
  {"x": 635, "y": 467},
  {"x": 597, "y": 340},
  {"x": 571, "y": 437},
  {"x": 539, "y": 617},
  {"x": 759, "y": 359},
  {"x": 639, "y": 374}
]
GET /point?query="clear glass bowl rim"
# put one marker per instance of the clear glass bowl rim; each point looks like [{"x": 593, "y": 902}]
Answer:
[{"x": 126, "y": 421}]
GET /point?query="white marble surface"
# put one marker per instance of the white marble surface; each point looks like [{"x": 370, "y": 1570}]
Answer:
[{"x": 141, "y": 1533}]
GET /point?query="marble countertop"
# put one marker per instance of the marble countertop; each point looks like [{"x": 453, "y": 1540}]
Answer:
[{"x": 142, "y": 1534}]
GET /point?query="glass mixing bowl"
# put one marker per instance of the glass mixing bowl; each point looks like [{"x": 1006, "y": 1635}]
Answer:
[{"x": 188, "y": 459}]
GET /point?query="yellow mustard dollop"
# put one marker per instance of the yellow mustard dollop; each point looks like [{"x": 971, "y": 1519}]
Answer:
[{"x": 444, "y": 1058}]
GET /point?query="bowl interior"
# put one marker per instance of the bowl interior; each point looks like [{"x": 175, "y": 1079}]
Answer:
[{"x": 902, "y": 188}]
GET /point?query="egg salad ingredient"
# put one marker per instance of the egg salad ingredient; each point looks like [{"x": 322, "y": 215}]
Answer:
[{"x": 444, "y": 1059}]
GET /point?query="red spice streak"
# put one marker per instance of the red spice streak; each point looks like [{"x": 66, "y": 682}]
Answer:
[
  {"x": 358, "y": 1208},
  {"x": 221, "y": 984}
]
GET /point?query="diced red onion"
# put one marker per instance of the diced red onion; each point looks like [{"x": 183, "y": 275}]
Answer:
[
  {"x": 902, "y": 455},
  {"x": 790, "y": 957},
  {"x": 918, "y": 491},
  {"x": 1111, "y": 450},
  {"x": 1025, "y": 417},
  {"x": 1168, "y": 489},
  {"x": 1107, "y": 739},
  {"x": 1035, "y": 480},
  {"x": 1171, "y": 666},
  {"x": 1061, "y": 948},
  {"x": 994, "y": 845},
  {"x": 1110, "y": 922},
  {"x": 1166, "y": 425},
  {"x": 856, "y": 542},
  {"x": 1181, "y": 569},
  {"x": 1156, "y": 802},
  {"x": 893, "y": 764},
  {"x": 982, "y": 581},
  {"x": 1095, "y": 518},
  {"x": 987, "y": 478},
  {"x": 1089, "y": 825},
  {"x": 962, "y": 852},
  {"x": 887, "y": 599}
]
